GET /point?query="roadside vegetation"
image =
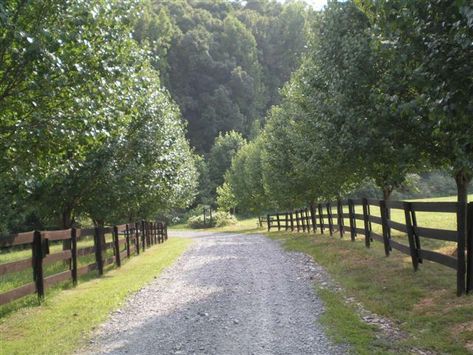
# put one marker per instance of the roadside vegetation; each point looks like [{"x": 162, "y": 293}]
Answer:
[
  {"x": 423, "y": 304},
  {"x": 64, "y": 320}
]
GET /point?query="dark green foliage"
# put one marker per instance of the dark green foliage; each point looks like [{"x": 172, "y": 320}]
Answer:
[
  {"x": 221, "y": 155},
  {"x": 245, "y": 177},
  {"x": 436, "y": 40},
  {"x": 226, "y": 61}
]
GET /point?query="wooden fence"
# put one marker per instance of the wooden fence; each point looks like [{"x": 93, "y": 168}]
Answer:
[
  {"x": 342, "y": 217},
  {"x": 127, "y": 239}
]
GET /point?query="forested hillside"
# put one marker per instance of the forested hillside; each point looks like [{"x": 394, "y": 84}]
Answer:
[{"x": 224, "y": 62}]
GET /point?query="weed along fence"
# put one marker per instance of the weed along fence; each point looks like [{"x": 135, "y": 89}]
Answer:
[
  {"x": 373, "y": 220},
  {"x": 68, "y": 247}
]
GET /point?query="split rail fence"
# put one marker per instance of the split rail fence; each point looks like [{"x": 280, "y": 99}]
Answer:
[
  {"x": 342, "y": 217},
  {"x": 127, "y": 240}
]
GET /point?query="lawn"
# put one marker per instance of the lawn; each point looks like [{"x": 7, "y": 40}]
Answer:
[
  {"x": 12, "y": 280},
  {"x": 65, "y": 319}
]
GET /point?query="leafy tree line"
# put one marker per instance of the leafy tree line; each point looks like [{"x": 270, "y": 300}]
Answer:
[
  {"x": 86, "y": 129},
  {"x": 383, "y": 92}
]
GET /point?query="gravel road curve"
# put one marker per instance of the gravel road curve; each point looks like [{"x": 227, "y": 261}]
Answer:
[{"x": 227, "y": 294}]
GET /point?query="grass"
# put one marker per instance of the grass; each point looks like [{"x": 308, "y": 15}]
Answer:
[
  {"x": 64, "y": 321},
  {"x": 343, "y": 323},
  {"x": 17, "y": 279},
  {"x": 423, "y": 303}
]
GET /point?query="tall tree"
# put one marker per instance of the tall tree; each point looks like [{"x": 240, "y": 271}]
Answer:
[
  {"x": 436, "y": 40},
  {"x": 220, "y": 157}
]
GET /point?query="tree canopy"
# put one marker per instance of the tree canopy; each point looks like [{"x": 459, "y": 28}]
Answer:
[{"x": 84, "y": 122}]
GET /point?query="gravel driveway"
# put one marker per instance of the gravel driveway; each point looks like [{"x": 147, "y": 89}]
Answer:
[{"x": 227, "y": 294}]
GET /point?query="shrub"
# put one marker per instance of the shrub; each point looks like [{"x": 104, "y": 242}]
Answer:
[
  {"x": 224, "y": 219},
  {"x": 198, "y": 222},
  {"x": 219, "y": 219}
]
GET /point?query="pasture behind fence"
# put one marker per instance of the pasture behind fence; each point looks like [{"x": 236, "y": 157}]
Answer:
[
  {"x": 126, "y": 240},
  {"x": 344, "y": 217}
]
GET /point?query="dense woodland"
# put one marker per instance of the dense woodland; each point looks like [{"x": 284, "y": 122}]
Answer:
[{"x": 117, "y": 110}]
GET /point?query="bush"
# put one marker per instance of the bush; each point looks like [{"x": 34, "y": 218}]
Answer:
[
  {"x": 219, "y": 219},
  {"x": 224, "y": 219},
  {"x": 198, "y": 222}
]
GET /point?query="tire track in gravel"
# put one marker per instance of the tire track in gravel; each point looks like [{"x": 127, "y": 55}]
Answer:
[{"x": 227, "y": 294}]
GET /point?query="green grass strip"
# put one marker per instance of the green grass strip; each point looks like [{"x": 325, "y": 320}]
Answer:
[
  {"x": 344, "y": 325},
  {"x": 65, "y": 321}
]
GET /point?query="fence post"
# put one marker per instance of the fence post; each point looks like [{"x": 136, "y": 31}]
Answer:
[
  {"x": 462, "y": 216},
  {"x": 297, "y": 221},
  {"x": 469, "y": 246},
  {"x": 340, "y": 217},
  {"x": 313, "y": 218},
  {"x": 38, "y": 255},
  {"x": 286, "y": 221},
  {"x": 367, "y": 223},
  {"x": 151, "y": 233},
  {"x": 127, "y": 239},
  {"x": 351, "y": 213},
  {"x": 279, "y": 222},
  {"x": 301, "y": 211},
  {"x": 137, "y": 238},
  {"x": 307, "y": 219},
  {"x": 292, "y": 220},
  {"x": 268, "y": 222},
  {"x": 116, "y": 243},
  {"x": 329, "y": 217},
  {"x": 321, "y": 217},
  {"x": 156, "y": 232},
  {"x": 98, "y": 249},
  {"x": 416, "y": 236},
  {"x": 74, "y": 255},
  {"x": 143, "y": 239},
  {"x": 410, "y": 236},
  {"x": 385, "y": 225}
]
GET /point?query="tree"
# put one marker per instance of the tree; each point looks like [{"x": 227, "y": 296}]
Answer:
[
  {"x": 245, "y": 177},
  {"x": 435, "y": 38},
  {"x": 346, "y": 89},
  {"x": 226, "y": 200},
  {"x": 84, "y": 122},
  {"x": 220, "y": 156}
]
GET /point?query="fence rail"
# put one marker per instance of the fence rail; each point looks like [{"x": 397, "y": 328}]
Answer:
[
  {"x": 127, "y": 239},
  {"x": 342, "y": 217}
]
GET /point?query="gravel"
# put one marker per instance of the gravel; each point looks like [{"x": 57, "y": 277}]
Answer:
[{"x": 227, "y": 294}]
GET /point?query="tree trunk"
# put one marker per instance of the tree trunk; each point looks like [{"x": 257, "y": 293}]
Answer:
[
  {"x": 462, "y": 178},
  {"x": 387, "y": 191},
  {"x": 100, "y": 223}
]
